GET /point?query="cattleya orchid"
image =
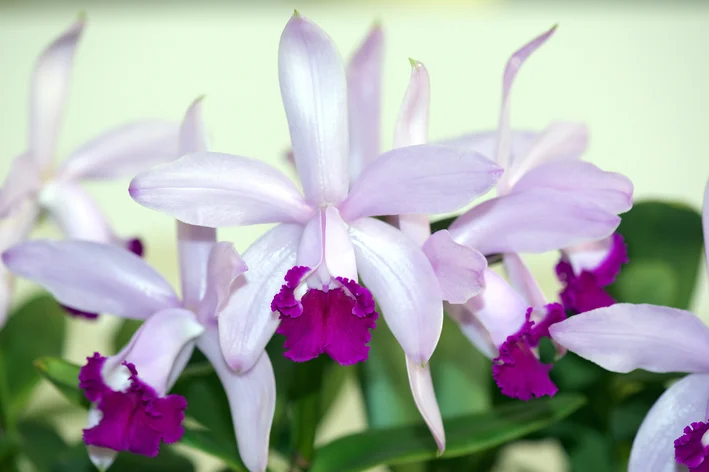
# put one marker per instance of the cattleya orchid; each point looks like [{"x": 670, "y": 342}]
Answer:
[
  {"x": 131, "y": 410},
  {"x": 547, "y": 200},
  {"x": 36, "y": 183},
  {"x": 541, "y": 168},
  {"x": 624, "y": 337},
  {"x": 328, "y": 239}
]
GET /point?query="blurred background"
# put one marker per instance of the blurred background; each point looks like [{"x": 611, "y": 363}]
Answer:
[{"x": 634, "y": 71}]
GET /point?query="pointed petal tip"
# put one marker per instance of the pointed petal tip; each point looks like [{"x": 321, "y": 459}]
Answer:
[
  {"x": 296, "y": 14},
  {"x": 416, "y": 64}
]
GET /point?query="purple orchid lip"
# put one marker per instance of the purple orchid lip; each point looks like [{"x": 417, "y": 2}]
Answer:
[
  {"x": 691, "y": 449},
  {"x": 135, "y": 419},
  {"x": 517, "y": 370},
  {"x": 136, "y": 246},
  {"x": 585, "y": 291},
  {"x": 336, "y": 321}
]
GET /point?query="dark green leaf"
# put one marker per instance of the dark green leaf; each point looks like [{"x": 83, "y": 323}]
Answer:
[
  {"x": 385, "y": 383},
  {"x": 125, "y": 333},
  {"x": 64, "y": 376},
  {"x": 34, "y": 330},
  {"x": 461, "y": 374},
  {"x": 77, "y": 460},
  {"x": 665, "y": 247},
  {"x": 207, "y": 442},
  {"x": 305, "y": 399},
  {"x": 41, "y": 444},
  {"x": 465, "y": 435}
]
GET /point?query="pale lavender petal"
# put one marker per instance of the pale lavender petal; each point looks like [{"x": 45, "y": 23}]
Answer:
[
  {"x": 49, "y": 92},
  {"x": 194, "y": 243},
  {"x": 417, "y": 227},
  {"x": 459, "y": 268},
  {"x": 364, "y": 87},
  {"x": 101, "y": 457},
  {"x": 538, "y": 220},
  {"x": 247, "y": 322},
  {"x": 499, "y": 308},
  {"x": 403, "y": 283},
  {"x": 420, "y": 179},
  {"x": 471, "y": 327},
  {"x": 193, "y": 137},
  {"x": 214, "y": 189},
  {"x": 155, "y": 348},
  {"x": 22, "y": 181},
  {"x": 425, "y": 398},
  {"x": 522, "y": 280},
  {"x": 484, "y": 142},
  {"x": 558, "y": 141},
  {"x": 92, "y": 277},
  {"x": 123, "y": 151},
  {"x": 76, "y": 212},
  {"x": 252, "y": 401},
  {"x": 624, "y": 337},
  {"x": 412, "y": 124},
  {"x": 326, "y": 248},
  {"x": 223, "y": 267},
  {"x": 314, "y": 91},
  {"x": 13, "y": 229},
  {"x": 609, "y": 190},
  {"x": 504, "y": 139},
  {"x": 682, "y": 404}
]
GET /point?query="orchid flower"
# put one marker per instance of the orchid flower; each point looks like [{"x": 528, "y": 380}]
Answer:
[
  {"x": 328, "y": 239},
  {"x": 541, "y": 168},
  {"x": 547, "y": 199},
  {"x": 131, "y": 410},
  {"x": 36, "y": 183},
  {"x": 624, "y": 337}
]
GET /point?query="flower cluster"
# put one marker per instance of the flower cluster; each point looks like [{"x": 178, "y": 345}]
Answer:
[{"x": 354, "y": 244}]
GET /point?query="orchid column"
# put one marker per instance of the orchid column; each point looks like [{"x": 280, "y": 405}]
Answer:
[{"x": 328, "y": 239}]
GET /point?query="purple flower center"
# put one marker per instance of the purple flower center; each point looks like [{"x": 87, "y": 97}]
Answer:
[
  {"x": 135, "y": 419},
  {"x": 336, "y": 321},
  {"x": 517, "y": 370},
  {"x": 691, "y": 450},
  {"x": 135, "y": 246},
  {"x": 78, "y": 313},
  {"x": 585, "y": 291}
]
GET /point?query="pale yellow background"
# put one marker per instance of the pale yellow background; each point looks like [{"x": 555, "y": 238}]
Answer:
[{"x": 635, "y": 73}]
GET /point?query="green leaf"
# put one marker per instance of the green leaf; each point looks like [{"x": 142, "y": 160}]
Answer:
[
  {"x": 41, "y": 444},
  {"x": 305, "y": 398},
  {"x": 64, "y": 376},
  {"x": 461, "y": 374},
  {"x": 34, "y": 330},
  {"x": 385, "y": 383},
  {"x": 124, "y": 333},
  {"x": 77, "y": 460},
  {"x": 207, "y": 442},
  {"x": 665, "y": 248},
  {"x": 465, "y": 435}
]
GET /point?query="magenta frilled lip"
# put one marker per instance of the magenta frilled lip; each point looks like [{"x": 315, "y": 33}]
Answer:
[
  {"x": 336, "y": 321},
  {"x": 691, "y": 449},
  {"x": 134, "y": 419},
  {"x": 585, "y": 291},
  {"x": 517, "y": 370}
]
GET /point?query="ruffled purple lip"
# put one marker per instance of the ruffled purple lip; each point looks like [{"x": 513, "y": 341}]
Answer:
[
  {"x": 517, "y": 370},
  {"x": 135, "y": 420},
  {"x": 586, "y": 291},
  {"x": 690, "y": 449},
  {"x": 336, "y": 322}
]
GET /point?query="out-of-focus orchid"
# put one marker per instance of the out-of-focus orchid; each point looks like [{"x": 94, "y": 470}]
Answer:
[
  {"x": 624, "y": 337},
  {"x": 36, "y": 183},
  {"x": 328, "y": 239},
  {"x": 131, "y": 410},
  {"x": 543, "y": 168}
]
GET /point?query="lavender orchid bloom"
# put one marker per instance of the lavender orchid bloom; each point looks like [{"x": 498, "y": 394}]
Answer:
[
  {"x": 328, "y": 239},
  {"x": 624, "y": 337},
  {"x": 541, "y": 168},
  {"x": 131, "y": 410},
  {"x": 35, "y": 183}
]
